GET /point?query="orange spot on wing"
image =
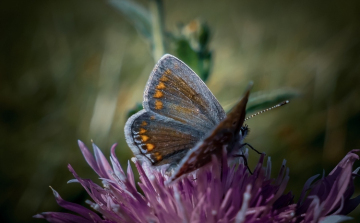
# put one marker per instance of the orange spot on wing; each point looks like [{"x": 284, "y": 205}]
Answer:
[
  {"x": 150, "y": 146},
  {"x": 168, "y": 71},
  {"x": 144, "y": 138},
  {"x": 160, "y": 86},
  {"x": 142, "y": 131},
  {"x": 158, "y": 156},
  {"x": 152, "y": 117},
  {"x": 164, "y": 79},
  {"x": 143, "y": 123},
  {"x": 158, "y": 105},
  {"x": 158, "y": 94}
]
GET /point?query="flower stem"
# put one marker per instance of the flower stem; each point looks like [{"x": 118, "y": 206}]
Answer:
[{"x": 157, "y": 21}]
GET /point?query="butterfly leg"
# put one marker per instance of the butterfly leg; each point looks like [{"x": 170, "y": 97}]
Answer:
[
  {"x": 247, "y": 144},
  {"x": 245, "y": 161}
]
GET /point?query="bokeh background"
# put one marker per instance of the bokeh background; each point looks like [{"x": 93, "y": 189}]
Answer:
[{"x": 72, "y": 69}]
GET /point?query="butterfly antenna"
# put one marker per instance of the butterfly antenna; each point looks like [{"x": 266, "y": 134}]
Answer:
[{"x": 268, "y": 109}]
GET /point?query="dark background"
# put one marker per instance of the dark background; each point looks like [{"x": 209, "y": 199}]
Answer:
[{"x": 71, "y": 69}]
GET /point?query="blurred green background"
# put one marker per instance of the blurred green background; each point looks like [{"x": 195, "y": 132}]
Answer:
[{"x": 72, "y": 69}]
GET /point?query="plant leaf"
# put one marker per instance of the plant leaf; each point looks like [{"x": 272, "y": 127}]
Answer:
[
  {"x": 137, "y": 107},
  {"x": 263, "y": 100},
  {"x": 139, "y": 16}
]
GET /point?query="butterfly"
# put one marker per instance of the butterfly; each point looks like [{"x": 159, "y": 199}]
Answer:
[{"x": 182, "y": 123}]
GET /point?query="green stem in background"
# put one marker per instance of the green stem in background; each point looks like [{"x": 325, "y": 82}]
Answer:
[{"x": 157, "y": 21}]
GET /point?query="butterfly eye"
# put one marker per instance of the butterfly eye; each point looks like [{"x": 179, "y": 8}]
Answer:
[{"x": 244, "y": 130}]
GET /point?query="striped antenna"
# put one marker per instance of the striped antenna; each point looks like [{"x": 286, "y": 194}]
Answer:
[{"x": 268, "y": 109}]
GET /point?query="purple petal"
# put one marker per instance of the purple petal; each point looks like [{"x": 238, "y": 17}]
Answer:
[
  {"x": 307, "y": 187},
  {"x": 130, "y": 175},
  {"x": 241, "y": 215},
  {"x": 88, "y": 156},
  {"x": 86, "y": 213},
  {"x": 335, "y": 219},
  {"x": 58, "y": 217},
  {"x": 116, "y": 165},
  {"x": 350, "y": 205},
  {"x": 349, "y": 159},
  {"x": 102, "y": 163}
]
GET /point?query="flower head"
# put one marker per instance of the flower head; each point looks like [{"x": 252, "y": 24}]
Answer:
[{"x": 218, "y": 192}]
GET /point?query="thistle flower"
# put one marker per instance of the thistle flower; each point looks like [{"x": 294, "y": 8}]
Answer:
[{"x": 218, "y": 192}]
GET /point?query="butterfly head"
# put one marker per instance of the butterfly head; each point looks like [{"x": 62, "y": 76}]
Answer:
[
  {"x": 235, "y": 118},
  {"x": 244, "y": 131}
]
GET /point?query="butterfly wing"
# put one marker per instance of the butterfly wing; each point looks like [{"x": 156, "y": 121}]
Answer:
[
  {"x": 179, "y": 110},
  {"x": 176, "y": 92},
  {"x": 224, "y": 135},
  {"x": 159, "y": 139}
]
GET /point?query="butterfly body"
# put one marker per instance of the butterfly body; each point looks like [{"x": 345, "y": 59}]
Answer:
[
  {"x": 227, "y": 135},
  {"x": 182, "y": 124}
]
